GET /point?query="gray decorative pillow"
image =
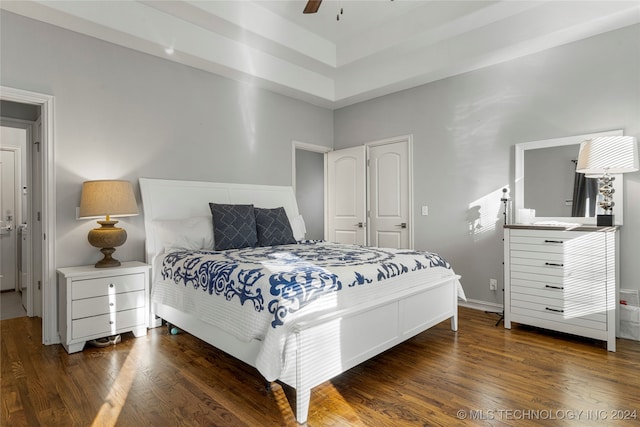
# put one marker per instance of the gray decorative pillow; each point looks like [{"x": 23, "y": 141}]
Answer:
[
  {"x": 234, "y": 226},
  {"x": 273, "y": 227}
]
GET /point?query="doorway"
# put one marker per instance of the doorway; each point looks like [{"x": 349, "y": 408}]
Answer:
[
  {"x": 16, "y": 249},
  {"x": 308, "y": 166},
  {"x": 34, "y": 111}
]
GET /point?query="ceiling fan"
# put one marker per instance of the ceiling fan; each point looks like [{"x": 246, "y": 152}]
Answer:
[{"x": 312, "y": 6}]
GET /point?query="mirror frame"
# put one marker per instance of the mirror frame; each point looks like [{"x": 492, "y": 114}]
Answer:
[{"x": 518, "y": 198}]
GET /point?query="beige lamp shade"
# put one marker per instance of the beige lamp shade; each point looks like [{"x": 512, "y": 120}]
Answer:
[
  {"x": 107, "y": 198},
  {"x": 608, "y": 155}
]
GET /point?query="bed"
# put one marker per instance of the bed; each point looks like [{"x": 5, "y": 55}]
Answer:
[{"x": 301, "y": 312}]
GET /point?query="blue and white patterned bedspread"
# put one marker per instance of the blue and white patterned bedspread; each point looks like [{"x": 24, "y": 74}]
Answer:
[{"x": 254, "y": 293}]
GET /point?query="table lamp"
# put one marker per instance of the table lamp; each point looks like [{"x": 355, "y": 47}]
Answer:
[
  {"x": 107, "y": 198},
  {"x": 601, "y": 156}
]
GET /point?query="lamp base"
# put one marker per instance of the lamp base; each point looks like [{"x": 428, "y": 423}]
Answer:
[
  {"x": 605, "y": 220},
  {"x": 107, "y": 238},
  {"x": 108, "y": 260}
]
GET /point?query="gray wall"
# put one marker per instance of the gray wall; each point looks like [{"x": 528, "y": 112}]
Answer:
[
  {"x": 465, "y": 128},
  {"x": 121, "y": 114}
]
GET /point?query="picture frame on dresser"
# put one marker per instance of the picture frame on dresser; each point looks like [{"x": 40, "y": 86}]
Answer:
[{"x": 101, "y": 302}]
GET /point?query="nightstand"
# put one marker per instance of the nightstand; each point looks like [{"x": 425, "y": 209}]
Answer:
[{"x": 100, "y": 302}]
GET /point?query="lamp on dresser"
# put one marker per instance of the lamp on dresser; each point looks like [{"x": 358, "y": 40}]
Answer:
[
  {"x": 601, "y": 156},
  {"x": 107, "y": 198}
]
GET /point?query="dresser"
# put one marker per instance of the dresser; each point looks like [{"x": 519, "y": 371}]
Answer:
[
  {"x": 562, "y": 279},
  {"x": 100, "y": 302}
]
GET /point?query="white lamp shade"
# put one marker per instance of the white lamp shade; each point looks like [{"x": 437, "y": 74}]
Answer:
[
  {"x": 608, "y": 154},
  {"x": 107, "y": 197}
]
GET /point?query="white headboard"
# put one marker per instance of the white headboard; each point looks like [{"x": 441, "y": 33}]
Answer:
[{"x": 164, "y": 199}]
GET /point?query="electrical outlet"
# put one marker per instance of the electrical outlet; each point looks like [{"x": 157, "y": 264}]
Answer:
[{"x": 493, "y": 285}]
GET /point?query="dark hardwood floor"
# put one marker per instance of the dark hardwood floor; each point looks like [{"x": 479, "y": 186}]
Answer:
[{"x": 481, "y": 375}]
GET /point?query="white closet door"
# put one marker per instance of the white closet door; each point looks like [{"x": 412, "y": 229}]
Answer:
[
  {"x": 346, "y": 201},
  {"x": 389, "y": 219}
]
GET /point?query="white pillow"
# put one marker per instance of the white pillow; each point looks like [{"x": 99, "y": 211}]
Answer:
[
  {"x": 190, "y": 234},
  {"x": 298, "y": 228}
]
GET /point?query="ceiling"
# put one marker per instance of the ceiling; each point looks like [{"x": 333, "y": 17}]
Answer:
[{"x": 375, "y": 48}]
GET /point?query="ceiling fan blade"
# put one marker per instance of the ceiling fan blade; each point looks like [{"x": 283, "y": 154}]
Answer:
[{"x": 312, "y": 6}]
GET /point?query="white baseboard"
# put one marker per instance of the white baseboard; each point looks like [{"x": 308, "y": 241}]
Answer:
[{"x": 482, "y": 305}]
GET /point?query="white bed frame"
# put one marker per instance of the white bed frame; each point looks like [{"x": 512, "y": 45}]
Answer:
[{"x": 326, "y": 346}]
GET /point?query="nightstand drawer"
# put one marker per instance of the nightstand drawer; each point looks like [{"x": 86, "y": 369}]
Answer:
[
  {"x": 88, "y": 288},
  {"x": 107, "y": 304},
  {"x": 107, "y": 324}
]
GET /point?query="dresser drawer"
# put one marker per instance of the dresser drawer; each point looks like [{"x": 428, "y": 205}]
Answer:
[
  {"x": 582, "y": 315},
  {"x": 557, "y": 266},
  {"x": 88, "y": 288},
  {"x": 567, "y": 259},
  {"x": 574, "y": 291},
  {"x": 107, "y": 304},
  {"x": 107, "y": 324},
  {"x": 551, "y": 238}
]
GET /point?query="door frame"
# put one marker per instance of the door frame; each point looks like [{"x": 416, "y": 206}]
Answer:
[
  {"x": 395, "y": 139},
  {"x": 48, "y": 214}
]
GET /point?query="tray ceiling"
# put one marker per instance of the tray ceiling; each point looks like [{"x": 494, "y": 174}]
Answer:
[{"x": 375, "y": 48}]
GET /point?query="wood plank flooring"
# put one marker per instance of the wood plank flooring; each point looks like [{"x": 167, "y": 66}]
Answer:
[{"x": 481, "y": 375}]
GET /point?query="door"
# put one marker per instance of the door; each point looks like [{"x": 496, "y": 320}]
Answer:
[
  {"x": 346, "y": 196},
  {"x": 9, "y": 171},
  {"x": 389, "y": 193}
]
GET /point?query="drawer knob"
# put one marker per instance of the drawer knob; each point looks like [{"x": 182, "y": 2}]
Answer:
[
  {"x": 554, "y": 287},
  {"x": 554, "y": 264},
  {"x": 111, "y": 304},
  {"x": 111, "y": 322},
  {"x": 553, "y": 241},
  {"x": 554, "y": 310},
  {"x": 111, "y": 285}
]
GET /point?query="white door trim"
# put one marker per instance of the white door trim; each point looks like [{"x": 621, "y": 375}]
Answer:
[
  {"x": 47, "y": 144},
  {"x": 401, "y": 138}
]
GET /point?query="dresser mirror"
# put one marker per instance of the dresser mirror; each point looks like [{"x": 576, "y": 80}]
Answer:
[{"x": 544, "y": 181}]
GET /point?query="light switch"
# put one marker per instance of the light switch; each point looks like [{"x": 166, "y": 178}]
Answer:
[{"x": 425, "y": 210}]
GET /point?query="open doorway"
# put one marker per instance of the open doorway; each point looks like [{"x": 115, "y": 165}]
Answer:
[
  {"x": 29, "y": 115},
  {"x": 15, "y": 288},
  {"x": 309, "y": 184}
]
